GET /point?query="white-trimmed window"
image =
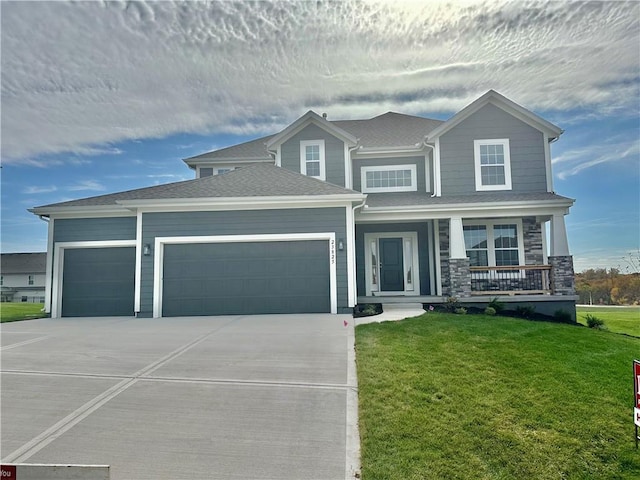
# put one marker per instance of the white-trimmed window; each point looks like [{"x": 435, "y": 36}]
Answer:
[
  {"x": 492, "y": 164},
  {"x": 312, "y": 161},
  {"x": 388, "y": 178},
  {"x": 31, "y": 279},
  {"x": 496, "y": 243}
]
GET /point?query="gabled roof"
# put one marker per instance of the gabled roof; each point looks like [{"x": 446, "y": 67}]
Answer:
[
  {"x": 308, "y": 118},
  {"x": 500, "y": 101},
  {"x": 251, "y": 181},
  {"x": 23, "y": 263}
]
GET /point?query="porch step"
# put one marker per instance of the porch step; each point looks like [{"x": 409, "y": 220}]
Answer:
[{"x": 394, "y": 311}]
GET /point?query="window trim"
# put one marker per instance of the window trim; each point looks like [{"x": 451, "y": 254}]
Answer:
[
  {"x": 478, "y": 166},
  {"x": 382, "y": 168},
  {"x": 31, "y": 280},
  {"x": 303, "y": 157},
  {"x": 491, "y": 248}
]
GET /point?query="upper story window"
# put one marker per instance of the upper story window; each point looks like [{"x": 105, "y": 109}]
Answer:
[
  {"x": 312, "y": 162},
  {"x": 389, "y": 178},
  {"x": 494, "y": 244},
  {"x": 1, "y": 280},
  {"x": 492, "y": 164},
  {"x": 205, "y": 171},
  {"x": 31, "y": 279}
]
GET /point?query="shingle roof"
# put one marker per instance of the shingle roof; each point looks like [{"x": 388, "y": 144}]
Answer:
[
  {"x": 257, "y": 180},
  {"x": 417, "y": 199},
  {"x": 387, "y": 130},
  {"x": 23, "y": 263}
]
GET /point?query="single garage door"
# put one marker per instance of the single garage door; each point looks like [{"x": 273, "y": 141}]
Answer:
[
  {"x": 98, "y": 282},
  {"x": 246, "y": 278}
]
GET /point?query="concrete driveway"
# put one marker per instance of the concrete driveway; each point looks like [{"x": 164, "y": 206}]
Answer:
[{"x": 246, "y": 397}]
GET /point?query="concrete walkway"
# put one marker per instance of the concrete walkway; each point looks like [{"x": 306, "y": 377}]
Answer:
[{"x": 254, "y": 397}]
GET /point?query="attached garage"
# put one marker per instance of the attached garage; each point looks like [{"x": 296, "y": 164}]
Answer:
[
  {"x": 98, "y": 282},
  {"x": 247, "y": 277}
]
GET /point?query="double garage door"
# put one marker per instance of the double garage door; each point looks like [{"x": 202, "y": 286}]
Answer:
[
  {"x": 203, "y": 279},
  {"x": 246, "y": 278}
]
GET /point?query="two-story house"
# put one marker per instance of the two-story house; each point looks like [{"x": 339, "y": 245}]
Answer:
[
  {"x": 327, "y": 214},
  {"x": 22, "y": 277}
]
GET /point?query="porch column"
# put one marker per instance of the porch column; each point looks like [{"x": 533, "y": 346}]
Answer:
[
  {"x": 559, "y": 244},
  {"x": 562, "y": 274},
  {"x": 459, "y": 273}
]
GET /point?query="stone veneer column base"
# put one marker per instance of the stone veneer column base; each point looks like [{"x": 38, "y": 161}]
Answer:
[
  {"x": 562, "y": 275},
  {"x": 459, "y": 278}
]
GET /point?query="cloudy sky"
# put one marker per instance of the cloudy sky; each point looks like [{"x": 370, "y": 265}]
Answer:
[{"x": 99, "y": 97}]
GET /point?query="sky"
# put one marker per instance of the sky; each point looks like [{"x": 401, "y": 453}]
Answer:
[{"x": 101, "y": 97}]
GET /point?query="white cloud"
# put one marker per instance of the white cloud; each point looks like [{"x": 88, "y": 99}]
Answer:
[
  {"x": 90, "y": 185},
  {"x": 78, "y": 77},
  {"x": 575, "y": 161},
  {"x": 34, "y": 189}
]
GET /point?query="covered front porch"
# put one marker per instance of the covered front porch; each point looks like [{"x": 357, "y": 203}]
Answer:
[{"x": 472, "y": 258}]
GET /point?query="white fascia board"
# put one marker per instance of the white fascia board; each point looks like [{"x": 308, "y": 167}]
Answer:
[
  {"x": 216, "y": 161},
  {"x": 307, "y": 119},
  {"x": 243, "y": 203},
  {"x": 471, "y": 211},
  {"x": 503, "y": 103},
  {"x": 376, "y": 152},
  {"x": 83, "y": 212}
]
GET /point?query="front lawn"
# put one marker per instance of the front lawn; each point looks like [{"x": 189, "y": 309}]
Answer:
[
  {"x": 11, "y": 312},
  {"x": 616, "y": 319},
  {"x": 480, "y": 397}
]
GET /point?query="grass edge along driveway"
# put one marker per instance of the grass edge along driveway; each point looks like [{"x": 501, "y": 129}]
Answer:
[
  {"x": 481, "y": 397},
  {"x": 15, "y": 311}
]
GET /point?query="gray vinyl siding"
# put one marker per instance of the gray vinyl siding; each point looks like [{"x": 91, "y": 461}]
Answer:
[
  {"x": 333, "y": 153},
  {"x": 419, "y": 161},
  {"x": 528, "y": 170},
  {"x": 249, "y": 222},
  {"x": 94, "y": 229},
  {"x": 423, "y": 251}
]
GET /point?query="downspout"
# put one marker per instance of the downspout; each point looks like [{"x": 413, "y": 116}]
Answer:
[
  {"x": 435, "y": 173},
  {"x": 350, "y": 160},
  {"x": 353, "y": 249}
]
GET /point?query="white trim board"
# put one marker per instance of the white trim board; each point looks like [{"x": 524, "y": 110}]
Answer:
[
  {"x": 160, "y": 242},
  {"x": 58, "y": 266}
]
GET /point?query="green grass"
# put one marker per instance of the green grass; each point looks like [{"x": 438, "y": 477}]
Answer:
[
  {"x": 12, "y": 312},
  {"x": 616, "y": 319},
  {"x": 479, "y": 397}
]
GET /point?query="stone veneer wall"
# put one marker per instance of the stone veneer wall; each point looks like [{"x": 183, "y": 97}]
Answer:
[
  {"x": 532, "y": 239},
  {"x": 459, "y": 278},
  {"x": 443, "y": 241},
  {"x": 562, "y": 275}
]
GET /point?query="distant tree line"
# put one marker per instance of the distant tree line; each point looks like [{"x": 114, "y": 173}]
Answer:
[{"x": 608, "y": 287}]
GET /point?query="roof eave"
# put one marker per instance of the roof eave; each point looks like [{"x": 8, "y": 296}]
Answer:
[
  {"x": 528, "y": 204},
  {"x": 238, "y": 201}
]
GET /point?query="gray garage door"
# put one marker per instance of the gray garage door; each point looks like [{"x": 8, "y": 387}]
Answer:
[
  {"x": 98, "y": 282},
  {"x": 246, "y": 278}
]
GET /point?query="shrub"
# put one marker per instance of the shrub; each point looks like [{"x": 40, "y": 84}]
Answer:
[
  {"x": 460, "y": 311},
  {"x": 452, "y": 304},
  {"x": 489, "y": 311},
  {"x": 562, "y": 316},
  {"x": 594, "y": 322},
  {"x": 496, "y": 304},
  {"x": 526, "y": 311}
]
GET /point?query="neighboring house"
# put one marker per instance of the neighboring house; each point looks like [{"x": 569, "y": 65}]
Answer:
[
  {"x": 327, "y": 214},
  {"x": 22, "y": 277}
]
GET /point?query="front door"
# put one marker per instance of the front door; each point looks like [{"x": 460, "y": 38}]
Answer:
[{"x": 391, "y": 265}]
